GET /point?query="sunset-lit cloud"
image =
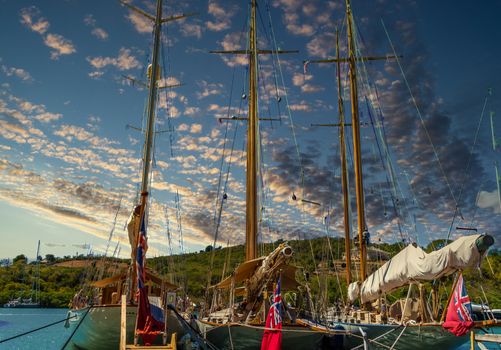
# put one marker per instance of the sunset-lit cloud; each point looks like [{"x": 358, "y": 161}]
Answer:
[
  {"x": 73, "y": 122},
  {"x": 60, "y": 45}
]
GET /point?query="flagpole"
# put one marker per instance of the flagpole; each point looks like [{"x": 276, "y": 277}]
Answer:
[{"x": 450, "y": 296}]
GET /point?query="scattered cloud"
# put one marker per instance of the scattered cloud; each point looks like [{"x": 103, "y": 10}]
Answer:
[
  {"x": 233, "y": 41},
  {"x": 208, "y": 89},
  {"x": 190, "y": 111},
  {"x": 196, "y": 128},
  {"x": 140, "y": 23},
  {"x": 192, "y": 30},
  {"x": 98, "y": 32},
  {"x": 222, "y": 16},
  {"x": 322, "y": 45},
  {"x": 48, "y": 117},
  {"x": 124, "y": 61},
  {"x": 59, "y": 45},
  {"x": 16, "y": 72},
  {"x": 32, "y": 19}
]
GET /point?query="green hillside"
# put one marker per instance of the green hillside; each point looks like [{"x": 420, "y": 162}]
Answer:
[
  {"x": 307, "y": 255},
  {"x": 190, "y": 271}
]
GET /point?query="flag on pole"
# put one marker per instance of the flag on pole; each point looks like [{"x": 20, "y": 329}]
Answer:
[
  {"x": 458, "y": 319},
  {"x": 305, "y": 66},
  {"x": 149, "y": 319},
  {"x": 272, "y": 337}
]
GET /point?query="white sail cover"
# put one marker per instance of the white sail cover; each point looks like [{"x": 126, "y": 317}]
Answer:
[{"x": 414, "y": 264}]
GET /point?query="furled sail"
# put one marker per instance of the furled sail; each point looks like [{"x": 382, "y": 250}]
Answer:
[{"x": 413, "y": 264}]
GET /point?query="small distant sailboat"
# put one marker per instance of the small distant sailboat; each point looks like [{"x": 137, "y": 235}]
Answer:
[{"x": 34, "y": 300}]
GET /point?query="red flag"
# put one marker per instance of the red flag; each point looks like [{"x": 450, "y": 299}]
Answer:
[
  {"x": 458, "y": 319},
  {"x": 149, "y": 322},
  {"x": 272, "y": 337}
]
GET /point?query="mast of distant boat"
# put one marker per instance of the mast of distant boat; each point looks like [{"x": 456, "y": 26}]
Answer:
[{"x": 36, "y": 282}]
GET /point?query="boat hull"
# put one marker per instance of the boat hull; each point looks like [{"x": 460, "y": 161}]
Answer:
[
  {"x": 100, "y": 328},
  {"x": 242, "y": 337},
  {"x": 414, "y": 336}
]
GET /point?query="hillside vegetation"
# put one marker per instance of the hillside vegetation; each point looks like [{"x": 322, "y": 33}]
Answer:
[{"x": 59, "y": 281}]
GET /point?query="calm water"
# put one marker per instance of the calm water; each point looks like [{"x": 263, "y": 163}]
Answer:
[{"x": 16, "y": 321}]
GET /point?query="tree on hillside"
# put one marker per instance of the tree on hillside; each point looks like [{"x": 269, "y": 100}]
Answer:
[
  {"x": 50, "y": 258},
  {"x": 20, "y": 259}
]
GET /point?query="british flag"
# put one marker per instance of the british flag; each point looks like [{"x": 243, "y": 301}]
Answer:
[
  {"x": 272, "y": 337},
  {"x": 142, "y": 247},
  {"x": 462, "y": 301},
  {"x": 459, "y": 320},
  {"x": 147, "y": 325}
]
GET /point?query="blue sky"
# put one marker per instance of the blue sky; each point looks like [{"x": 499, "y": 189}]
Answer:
[{"x": 67, "y": 159}]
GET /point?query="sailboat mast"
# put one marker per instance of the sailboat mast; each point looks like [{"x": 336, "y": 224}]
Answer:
[
  {"x": 357, "y": 157},
  {"x": 151, "y": 105},
  {"x": 252, "y": 130},
  {"x": 344, "y": 168},
  {"x": 149, "y": 135},
  {"x": 37, "y": 277}
]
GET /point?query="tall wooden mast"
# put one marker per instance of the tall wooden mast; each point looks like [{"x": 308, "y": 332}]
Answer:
[
  {"x": 150, "y": 123},
  {"x": 149, "y": 136},
  {"x": 148, "y": 143},
  {"x": 344, "y": 168},
  {"x": 357, "y": 157},
  {"x": 251, "y": 229},
  {"x": 252, "y": 52}
]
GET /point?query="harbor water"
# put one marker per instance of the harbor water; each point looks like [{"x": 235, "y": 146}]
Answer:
[{"x": 17, "y": 321}]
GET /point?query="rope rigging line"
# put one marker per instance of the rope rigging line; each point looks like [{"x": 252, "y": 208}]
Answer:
[
  {"x": 388, "y": 169},
  {"x": 168, "y": 71},
  {"x": 167, "y": 222},
  {"x": 114, "y": 225},
  {"x": 218, "y": 214},
  {"x": 76, "y": 328},
  {"x": 420, "y": 207},
  {"x": 334, "y": 263},
  {"x": 291, "y": 121},
  {"x": 468, "y": 165},
  {"x": 228, "y": 111},
  {"x": 274, "y": 69},
  {"x": 179, "y": 223},
  {"x": 379, "y": 126},
  {"x": 100, "y": 274},
  {"x": 277, "y": 92},
  {"x": 172, "y": 266},
  {"x": 423, "y": 124}
]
